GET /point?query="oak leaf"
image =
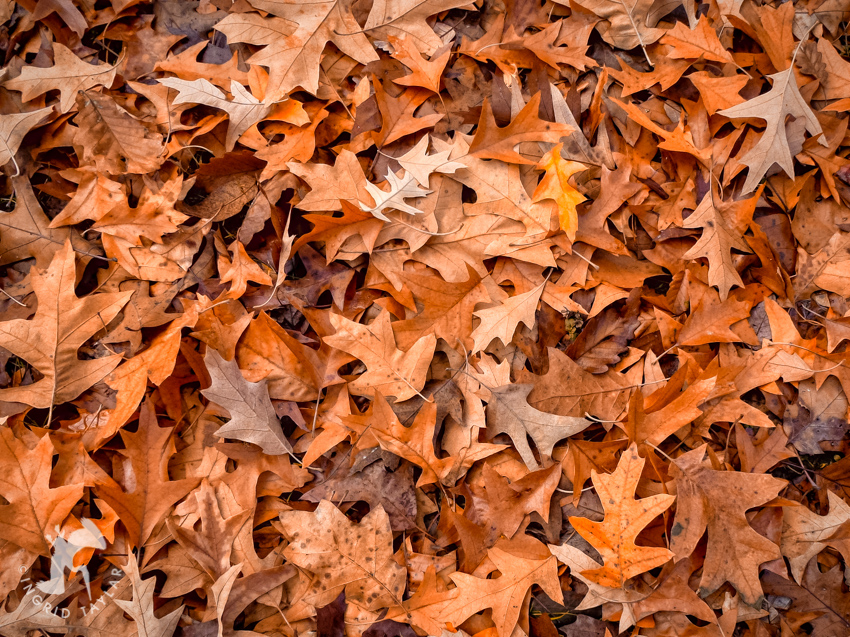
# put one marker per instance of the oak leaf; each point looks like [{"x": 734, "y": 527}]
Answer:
[
  {"x": 141, "y": 607},
  {"x": 401, "y": 188},
  {"x": 62, "y": 323},
  {"x": 243, "y": 109},
  {"x": 407, "y": 18},
  {"x": 344, "y": 556},
  {"x": 34, "y": 510},
  {"x": 492, "y": 142},
  {"x": 700, "y": 41},
  {"x": 418, "y": 163},
  {"x": 293, "y": 46},
  {"x": 389, "y": 370},
  {"x": 774, "y": 107},
  {"x": 252, "y": 415},
  {"x": 69, "y": 75},
  {"x": 505, "y": 595},
  {"x": 13, "y": 129},
  {"x": 625, "y": 518},
  {"x": 110, "y": 139},
  {"x": 508, "y": 412},
  {"x": 27, "y": 232},
  {"x": 805, "y": 534},
  {"x": 426, "y": 73},
  {"x": 210, "y": 546},
  {"x": 415, "y": 443},
  {"x": 501, "y": 321},
  {"x": 624, "y": 22},
  {"x": 148, "y": 493},
  {"x": 717, "y": 501},
  {"x": 555, "y": 185}
]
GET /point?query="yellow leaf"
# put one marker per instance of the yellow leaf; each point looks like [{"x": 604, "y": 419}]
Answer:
[{"x": 555, "y": 185}]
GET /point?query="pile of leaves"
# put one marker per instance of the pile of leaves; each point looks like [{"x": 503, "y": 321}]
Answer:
[{"x": 424, "y": 317}]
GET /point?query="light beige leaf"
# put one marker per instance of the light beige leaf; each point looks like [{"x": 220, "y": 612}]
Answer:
[
  {"x": 774, "y": 107},
  {"x": 508, "y": 412},
  {"x": 141, "y": 607},
  {"x": 252, "y": 415},
  {"x": 244, "y": 109},
  {"x": 401, "y": 188},
  {"x": 13, "y": 128},
  {"x": 420, "y": 164}
]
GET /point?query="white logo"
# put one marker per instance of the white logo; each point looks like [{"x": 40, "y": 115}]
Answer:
[{"x": 64, "y": 552}]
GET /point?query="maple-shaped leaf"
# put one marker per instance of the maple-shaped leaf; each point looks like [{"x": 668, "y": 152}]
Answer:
[
  {"x": 401, "y": 188},
  {"x": 718, "y": 501},
  {"x": 211, "y": 545},
  {"x": 141, "y": 607},
  {"x": 555, "y": 185},
  {"x": 148, "y": 493},
  {"x": 774, "y": 107},
  {"x": 508, "y": 412},
  {"x": 507, "y": 594},
  {"x": 252, "y": 415},
  {"x": 492, "y": 142},
  {"x": 69, "y": 75},
  {"x": 13, "y": 129},
  {"x": 293, "y": 46},
  {"x": 34, "y": 510},
  {"x": 343, "y": 555},
  {"x": 625, "y": 517},
  {"x": 389, "y": 370},
  {"x": 501, "y": 321},
  {"x": 62, "y": 323},
  {"x": 421, "y": 165},
  {"x": 243, "y": 109}
]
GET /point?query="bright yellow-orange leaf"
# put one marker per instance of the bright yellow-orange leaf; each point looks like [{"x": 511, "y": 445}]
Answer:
[{"x": 556, "y": 185}]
